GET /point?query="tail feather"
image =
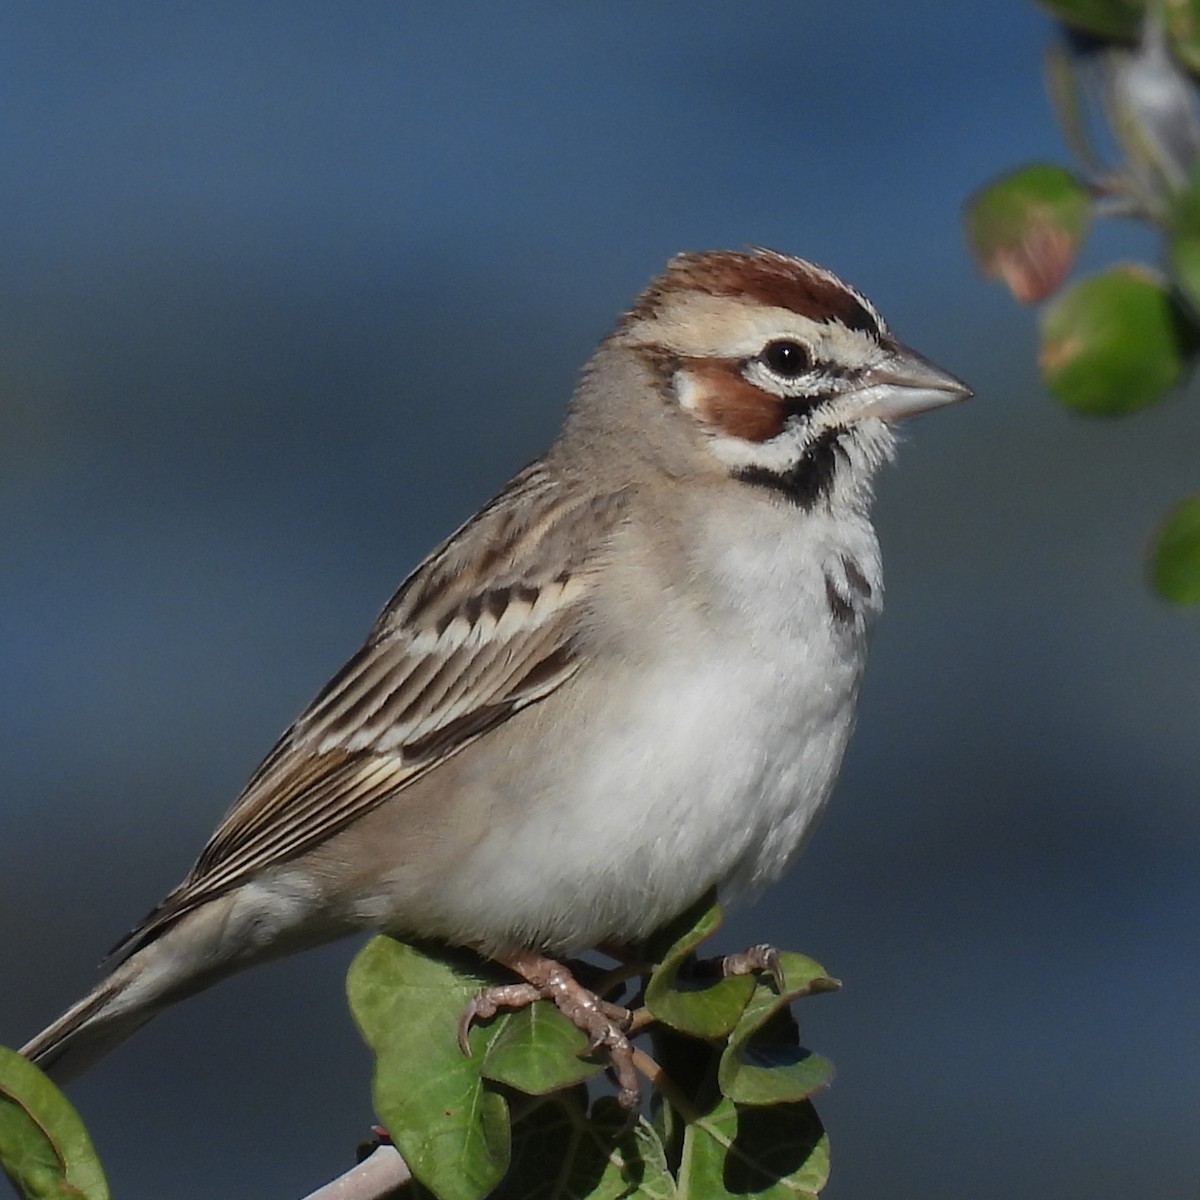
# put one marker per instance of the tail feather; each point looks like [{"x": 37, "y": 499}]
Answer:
[
  {"x": 88, "y": 1030},
  {"x": 181, "y": 958}
]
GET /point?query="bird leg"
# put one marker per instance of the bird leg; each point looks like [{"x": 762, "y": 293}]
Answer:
[{"x": 546, "y": 979}]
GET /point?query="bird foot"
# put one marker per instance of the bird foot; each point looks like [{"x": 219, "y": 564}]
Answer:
[
  {"x": 545, "y": 979},
  {"x": 762, "y": 959}
]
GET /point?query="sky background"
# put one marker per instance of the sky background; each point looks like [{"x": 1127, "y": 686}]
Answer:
[{"x": 288, "y": 290}]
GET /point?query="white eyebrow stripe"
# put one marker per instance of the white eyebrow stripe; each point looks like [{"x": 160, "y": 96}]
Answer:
[{"x": 698, "y": 325}]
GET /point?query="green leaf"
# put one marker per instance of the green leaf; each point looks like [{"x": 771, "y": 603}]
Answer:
[
  {"x": 44, "y": 1148},
  {"x": 1108, "y": 18},
  {"x": 561, "y": 1154},
  {"x": 1183, "y": 246},
  {"x": 537, "y": 1050},
  {"x": 1183, "y": 29},
  {"x": 708, "y": 1008},
  {"x": 1115, "y": 342},
  {"x": 1183, "y": 258},
  {"x": 1175, "y": 559},
  {"x": 773, "y": 1152},
  {"x": 669, "y": 1127},
  {"x": 450, "y": 1125},
  {"x": 1027, "y": 227},
  {"x": 764, "y": 1062}
]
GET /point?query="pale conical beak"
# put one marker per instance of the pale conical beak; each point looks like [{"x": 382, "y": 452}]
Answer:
[{"x": 907, "y": 383}]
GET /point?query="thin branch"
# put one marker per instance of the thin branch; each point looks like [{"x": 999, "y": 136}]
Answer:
[
  {"x": 653, "y": 1071},
  {"x": 377, "y": 1176}
]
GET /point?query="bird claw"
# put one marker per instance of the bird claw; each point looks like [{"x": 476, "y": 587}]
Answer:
[
  {"x": 603, "y": 1022},
  {"x": 488, "y": 1002}
]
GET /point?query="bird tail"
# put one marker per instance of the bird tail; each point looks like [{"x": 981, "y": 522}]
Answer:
[
  {"x": 88, "y": 1030},
  {"x": 173, "y": 954}
]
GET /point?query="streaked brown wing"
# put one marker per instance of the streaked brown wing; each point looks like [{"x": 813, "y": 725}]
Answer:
[{"x": 481, "y": 629}]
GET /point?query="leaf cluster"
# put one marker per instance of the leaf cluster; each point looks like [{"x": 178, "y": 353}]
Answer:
[
  {"x": 1123, "y": 75},
  {"x": 526, "y": 1112}
]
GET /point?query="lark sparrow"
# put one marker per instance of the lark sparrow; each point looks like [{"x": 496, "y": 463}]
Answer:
[{"x": 630, "y": 677}]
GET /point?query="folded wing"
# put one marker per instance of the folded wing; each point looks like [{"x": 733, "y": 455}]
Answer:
[{"x": 483, "y": 628}]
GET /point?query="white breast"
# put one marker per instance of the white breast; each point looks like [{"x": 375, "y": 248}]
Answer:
[
  {"x": 712, "y": 750},
  {"x": 752, "y": 725}
]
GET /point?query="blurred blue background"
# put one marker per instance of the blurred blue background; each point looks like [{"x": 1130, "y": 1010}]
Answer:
[{"x": 289, "y": 289}]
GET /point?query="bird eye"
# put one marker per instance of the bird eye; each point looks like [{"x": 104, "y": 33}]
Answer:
[{"x": 787, "y": 359}]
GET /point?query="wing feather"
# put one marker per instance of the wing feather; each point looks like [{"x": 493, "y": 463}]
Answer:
[{"x": 484, "y": 627}]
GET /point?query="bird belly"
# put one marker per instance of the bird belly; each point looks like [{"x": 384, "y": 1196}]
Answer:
[{"x": 708, "y": 771}]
